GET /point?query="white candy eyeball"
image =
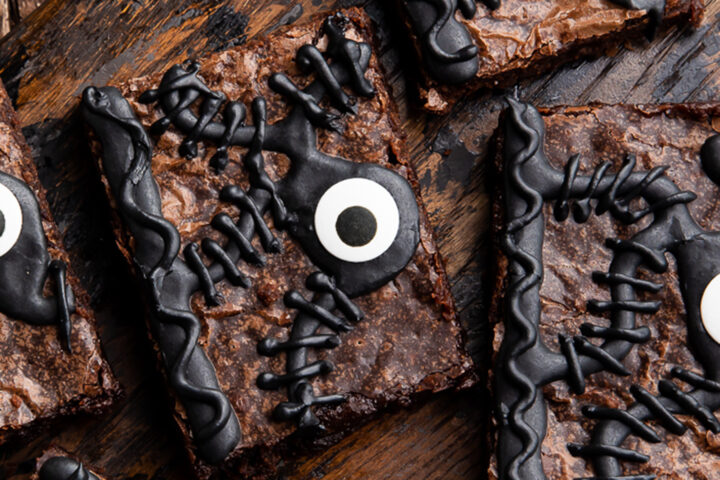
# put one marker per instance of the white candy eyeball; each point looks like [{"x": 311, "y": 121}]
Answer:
[
  {"x": 710, "y": 308},
  {"x": 10, "y": 219},
  {"x": 356, "y": 220}
]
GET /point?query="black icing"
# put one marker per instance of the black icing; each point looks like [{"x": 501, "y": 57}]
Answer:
[
  {"x": 447, "y": 48},
  {"x": 313, "y": 315},
  {"x": 64, "y": 468},
  {"x": 292, "y": 203},
  {"x": 26, "y": 268},
  {"x": 448, "y": 51},
  {"x": 525, "y": 363},
  {"x": 356, "y": 226}
]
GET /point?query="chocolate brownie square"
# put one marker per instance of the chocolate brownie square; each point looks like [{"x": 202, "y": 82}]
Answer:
[
  {"x": 51, "y": 362},
  {"x": 464, "y": 46},
  {"x": 607, "y": 348},
  {"x": 294, "y": 285}
]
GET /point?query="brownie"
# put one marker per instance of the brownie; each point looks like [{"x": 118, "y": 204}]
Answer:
[
  {"x": 51, "y": 362},
  {"x": 606, "y": 348},
  {"x": 464, "y": 47},
  {"x": 57, "y": 464},
  {"x": 237, "y": 220}
]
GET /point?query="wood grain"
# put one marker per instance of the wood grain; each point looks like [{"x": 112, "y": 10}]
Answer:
[{"x": 66, "y": 45}]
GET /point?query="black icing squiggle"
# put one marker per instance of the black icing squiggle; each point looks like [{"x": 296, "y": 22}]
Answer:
[
  {"x": 447, "y": 48},
  {"x": 525, "y": 363},
  {"x": 25, "y": 264},
  {"x": 292, "y": 202}
]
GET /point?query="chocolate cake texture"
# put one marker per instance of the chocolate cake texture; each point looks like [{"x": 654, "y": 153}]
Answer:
[
  {"x": 606, "y": 348},
  {"x": 465, "y": 45},
  {"x": 51, "y": 362},
  {"x": 263, "y": 181}
]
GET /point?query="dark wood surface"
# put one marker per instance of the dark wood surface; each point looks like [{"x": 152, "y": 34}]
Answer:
[{"x": 65, "y": 45}]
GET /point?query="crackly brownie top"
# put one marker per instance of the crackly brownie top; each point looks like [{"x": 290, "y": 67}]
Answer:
[
  {"x": 39, "y": 378},
  {"x": 571, "y": 252},
  {"x": 519, "y": 32},
  {"x": 523, "y": 37},
  {"x": 407, "y": 342}
]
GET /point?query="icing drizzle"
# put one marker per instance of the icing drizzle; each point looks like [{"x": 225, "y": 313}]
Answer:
[
  {"x": 291, "y": 202},
  {"x": 26, "y": 266},
  {"x": 525, "y": 363}
]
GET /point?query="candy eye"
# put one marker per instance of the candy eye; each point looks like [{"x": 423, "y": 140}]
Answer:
[
  {"x": 10, "y": 219},
  {"x": 710, "y": 308},
  {"x": 357, "y": 220}
]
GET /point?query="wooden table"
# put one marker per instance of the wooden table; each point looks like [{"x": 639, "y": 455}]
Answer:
[{"x": 65, "y": 45}]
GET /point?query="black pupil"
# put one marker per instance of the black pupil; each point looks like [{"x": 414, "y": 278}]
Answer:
[
  {"x": 356, "y": 226},
  {"x": 2, "y": 223}
]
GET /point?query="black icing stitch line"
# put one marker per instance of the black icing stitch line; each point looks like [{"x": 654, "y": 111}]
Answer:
[
  {"x": 26, "y": 267},
  {"x": 303, "y": 336},
  {"x": 180, "y": 88},
  {"x": 64, "y": 468},
  {"x": 525, "y": 363}
]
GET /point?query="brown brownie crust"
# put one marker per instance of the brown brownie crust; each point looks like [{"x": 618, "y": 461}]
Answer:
[
  {"x": 39, "y": 381},
  {"x": 525, "y": 38},
  {"x": 409, "y": 343},
  {"x": 658, "y": 135}
]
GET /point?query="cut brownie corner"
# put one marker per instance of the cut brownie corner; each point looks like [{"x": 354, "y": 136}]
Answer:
[
  {"x": 308, "y": 344},
  {"x": 514, "y": 42},
  {"x": 626, "y": 347},
  {"x": 48, "y": 334}
]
